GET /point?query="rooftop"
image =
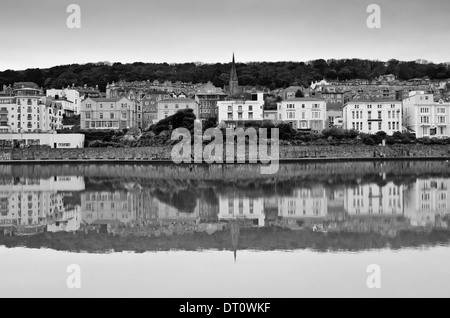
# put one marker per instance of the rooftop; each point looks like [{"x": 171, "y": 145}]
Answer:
[
  {"x": 304, "y": 99},
  {"x": 178, "y": 100},
  {"x": 29, "y": 85},
  {"x": 373, "y": 101},
  {"x": 107, "y": 100}
]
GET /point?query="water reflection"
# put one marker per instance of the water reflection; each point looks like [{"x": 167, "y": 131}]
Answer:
[
  {"x": 370, "y": 211},
  {"x": 32, "y": 206}
]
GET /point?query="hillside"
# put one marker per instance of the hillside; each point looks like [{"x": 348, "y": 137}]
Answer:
[{"x": 269, "y": 74}]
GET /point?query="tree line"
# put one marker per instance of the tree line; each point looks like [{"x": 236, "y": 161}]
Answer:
[{"x": 268, "y": 74}]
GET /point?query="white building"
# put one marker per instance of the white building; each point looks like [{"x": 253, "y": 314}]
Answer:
[
  {"x": 72, "y": 95},
  {"x": 304, "y": 113},
  {"x": 168, "y": 107},
  {"x": 370, "y": 117},
  {"x": 426, "y": 117},
  {"x": 60, "y": 141},
  {"x": 236, "y": 113},
  {"x": 26, "y": 112}
]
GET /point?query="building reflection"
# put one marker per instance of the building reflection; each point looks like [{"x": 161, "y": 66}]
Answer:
[
  {"x": 427, "y": 202},
  {"x": 66, "y": 204},
  {"x": 32, "y": 206}
]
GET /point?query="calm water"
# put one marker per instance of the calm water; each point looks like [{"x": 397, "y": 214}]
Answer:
[{"x": 225, "y": 231}]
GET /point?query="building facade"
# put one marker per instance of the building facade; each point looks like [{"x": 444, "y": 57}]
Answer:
[
  {"x": 207, "y": 98},
  {"x": 335, "y": 115},
  {"x": 304, "y": 113},
  {"x": 26, "y": 112},
  {"x": 108, "y": 113},
  {"x": 169, "y": 107},
  {"x": 425, "y": 117},
  {"x": 149, "y": 106},
  {"x": 370, "y": 117},
  {"x": 57, "y": 141},
  {"x": 236, "y": 113}
]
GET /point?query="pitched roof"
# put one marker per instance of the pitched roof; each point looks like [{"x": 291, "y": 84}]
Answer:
[
  {"x": 107, "y": 100},
  {"x": 378, "y": 100},
  {"x": 177, "y": 100},
  {"x": 304, "y": 99}
]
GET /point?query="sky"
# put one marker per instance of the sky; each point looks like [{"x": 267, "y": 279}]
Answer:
[{"x": 35, "y": 33}]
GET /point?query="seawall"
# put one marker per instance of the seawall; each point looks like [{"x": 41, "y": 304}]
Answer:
[{"x": 344, "y": 152}]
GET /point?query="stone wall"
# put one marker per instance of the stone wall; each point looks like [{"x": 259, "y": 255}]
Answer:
[{"x": 286, "y": 152}]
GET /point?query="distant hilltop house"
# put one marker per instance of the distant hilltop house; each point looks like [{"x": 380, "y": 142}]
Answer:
[{"x": 136, "y": 90}]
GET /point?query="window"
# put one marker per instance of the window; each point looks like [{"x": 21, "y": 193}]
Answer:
[
  {"x": 369, "y": 114},
  {"x": 370, "y": 125},
  {"x": 250, "y": 108},
  {"x": 380, "y": 127},
  {"x": 424, "y": 120},
  {"x": 291, "y": 115},
  {"x": 101, "y": 115},
  {"x": 230, "y": 109},
  {"x": 250, "y": 115},
  {"x": 111, "y": 115},
  {"x": 379, "y": 114}
]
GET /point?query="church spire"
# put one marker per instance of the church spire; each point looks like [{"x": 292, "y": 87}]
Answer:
[
  {"x": 235, "y": 232},
  {"x": 234, "y": 82}
]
